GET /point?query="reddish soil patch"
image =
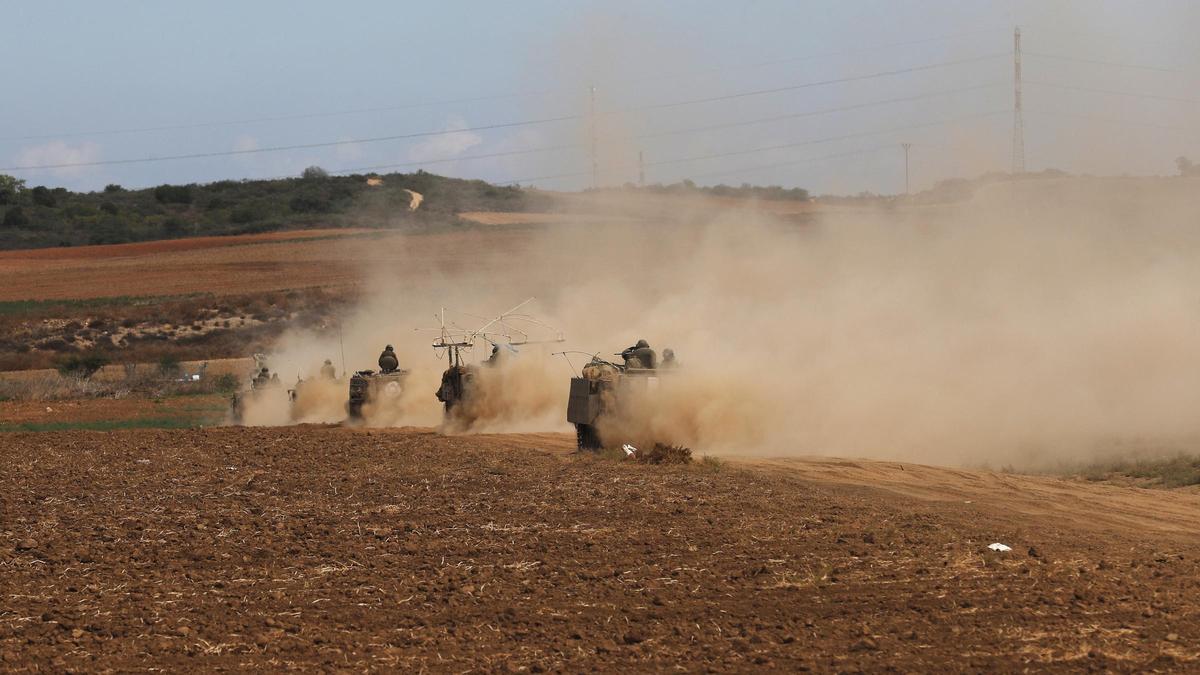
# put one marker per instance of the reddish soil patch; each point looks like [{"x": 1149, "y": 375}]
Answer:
[
  {"x": 169, "y": 245},
  {"x": 328, "y": 549},
  {"x": 105, "y": 409},
  {"x": 266, "y": 266}
]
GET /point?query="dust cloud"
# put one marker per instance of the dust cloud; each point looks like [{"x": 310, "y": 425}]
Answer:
[{"x": 1040, "y": 321}]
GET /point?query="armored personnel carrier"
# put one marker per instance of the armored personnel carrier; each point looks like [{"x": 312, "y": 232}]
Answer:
[
  {"x": 509, "y": 329},
  {"x": 602, "y": 386},
  {"x": 370, "y": 386}
]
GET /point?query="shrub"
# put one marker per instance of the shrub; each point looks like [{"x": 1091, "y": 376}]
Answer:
[
  {"x": 168, "y": 365},
  {"x": 10, "y": 188},
  {"x": 113, "y": 187},
  {"x": 665, "y": 454},
  {"x": 82, "y": 366},
  {"x": 173, "y": 194},
  {"x": 310, "y": 203},
  {"x": 109, "y": 208},
  {"x": 314, "y": 173},
  {"x": 175, "y": 227},
  {"x": 42, "y": 196},
  {"x": 15, "y": 217},
  {"x": 225, "y": 383},
  {"x": 244, "y": 214}
]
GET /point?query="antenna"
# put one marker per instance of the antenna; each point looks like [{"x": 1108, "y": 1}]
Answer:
[
  {"x": 906, "y": 146},
  {"x": 510, "y": 328},
  {"x": 1018, "y": 139},
  {"x": 595, "y": 164},
  {"x": 342, "y": 344}
]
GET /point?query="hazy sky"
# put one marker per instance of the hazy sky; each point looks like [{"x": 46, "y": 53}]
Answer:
[{"x": 223, "y": 74}]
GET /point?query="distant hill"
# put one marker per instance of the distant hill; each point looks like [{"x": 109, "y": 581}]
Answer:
[{"x": 38, "y": 217}]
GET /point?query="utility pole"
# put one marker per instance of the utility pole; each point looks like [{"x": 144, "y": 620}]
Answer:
[
  {"x": 1018, "y": 139},
  {"x": 641, "y": 170},
  {"x": 595, "y": 163},
  {"x": 906, "y": 146}
]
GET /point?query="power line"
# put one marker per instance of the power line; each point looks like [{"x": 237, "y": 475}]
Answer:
[
  {"x": 278, "y": 118},
  {"x": 806, "y": 160},
  {"x": 676, "y": 132},
  {"x": 830, "y": 139},
  {"x": 426, "y": 134},
  {"x": 824, "y": 55},
  {"x": 1110, "y": 120},
  {"x": 444, "y": 160},
  {"x": 1113, "y": 64},
  {"x": 1114, "y": 92},
  {"x": 303, "y": 146},
  {"x": 822, "y": 111},
  {"x": 818, "y": 83},
  {"x": 455, "y": 101}
]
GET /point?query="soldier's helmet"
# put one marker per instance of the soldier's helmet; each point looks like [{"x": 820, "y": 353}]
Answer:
[
  {"x": 264, "y": 371},
  {"x": 642, "y": 344},
  {"x": 387, "y": 348},
  {"x": 668, "y": 353},
  {"x": 328, "y": 362}
]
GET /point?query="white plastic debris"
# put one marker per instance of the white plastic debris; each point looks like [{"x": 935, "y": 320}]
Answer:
[
  {"x": 629, "y": 449},
  {"x": 999, "y": 547},
  {"x": 143, "y": 461}
]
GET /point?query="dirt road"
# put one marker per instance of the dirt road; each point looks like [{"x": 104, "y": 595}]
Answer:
[{"x": 319, "y": 547}]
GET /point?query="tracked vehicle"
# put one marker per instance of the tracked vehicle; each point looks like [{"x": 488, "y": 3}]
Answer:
[
  {"x": 262, "y": 386},
  {"x": 603, "y": 387},
  {"x": 598, "y": 393},
  {"x": 509, "y": 330},
  {"x": 369, "y": 386}
]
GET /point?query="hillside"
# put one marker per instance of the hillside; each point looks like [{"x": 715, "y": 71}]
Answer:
[{"x": 39, "y": 216}]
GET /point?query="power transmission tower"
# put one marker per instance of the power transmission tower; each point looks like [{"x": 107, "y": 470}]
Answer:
[
  {"x": 595, "y": 163},
  {"x": 1018, "y": 139},
  {"x": 641, "y": 170},
  {"x": 906, "y": 146}
]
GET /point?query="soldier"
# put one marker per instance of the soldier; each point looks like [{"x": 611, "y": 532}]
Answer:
[
  {"x": 668, "y": 360},
  {"x": 261, "y": 379},
  {"x": 388, "y": 361},
  {"x": 640, "y": 356},
  {"x": 494, "y": 359},
  {"x": 328, "y": 372}
]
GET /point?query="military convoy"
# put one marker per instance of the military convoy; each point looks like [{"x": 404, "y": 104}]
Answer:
[{"x": 592, "y": 396}]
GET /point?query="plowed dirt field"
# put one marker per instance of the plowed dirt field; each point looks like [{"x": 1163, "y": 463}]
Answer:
[
  {"x": 313, "y": 548},
  {"x": 239, "y": 265}
]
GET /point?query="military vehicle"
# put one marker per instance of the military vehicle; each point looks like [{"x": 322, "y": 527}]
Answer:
[
  {"x": 384, "y": 385},
  {"x": 597, "y": 394},
  {"x": 262, "y": 384},
  {"x": 508, "y": 331}
]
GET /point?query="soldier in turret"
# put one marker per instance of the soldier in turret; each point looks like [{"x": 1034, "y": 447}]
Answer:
[
  {"x": 387, "y": 360},
  {"x": 261, "y": 379},
  {"x": 668, "y": 360},
  {"x": 640, "y": 356},
  {"x": 328, "y": 372}
]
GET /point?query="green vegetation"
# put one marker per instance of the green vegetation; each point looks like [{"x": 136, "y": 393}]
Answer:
[
  {"x": 743, "y": 191},
  {"x": 40, "y": 216},
  {"x": 82, "y": 365},
  {"x": 1169, "y": 472},
  {"x": 57, "y": 307}
]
